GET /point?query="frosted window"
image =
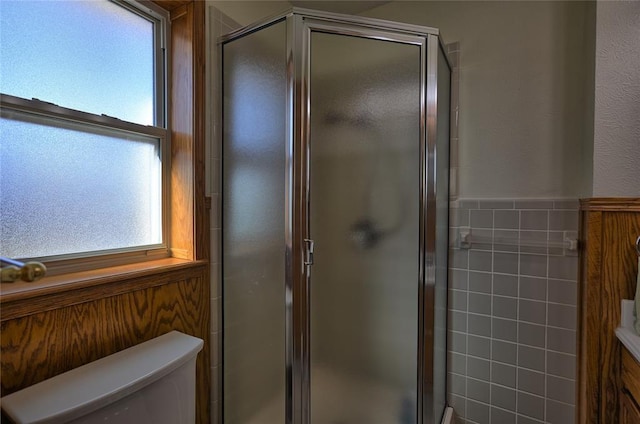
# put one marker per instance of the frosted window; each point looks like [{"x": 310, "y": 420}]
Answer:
[
  {"x": 66, "y": 188},
  {"x": 93, "y": 56}
]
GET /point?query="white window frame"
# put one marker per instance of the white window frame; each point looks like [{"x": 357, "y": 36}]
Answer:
[{"x": 60, "y": 264}]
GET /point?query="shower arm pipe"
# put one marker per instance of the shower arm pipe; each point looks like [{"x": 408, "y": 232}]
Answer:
[
  {"x": 466, "y": 239},
  {"x": 13, "y": 270}
]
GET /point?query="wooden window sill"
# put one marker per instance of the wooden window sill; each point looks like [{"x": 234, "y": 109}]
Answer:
[{"x": 20, "y": 298}]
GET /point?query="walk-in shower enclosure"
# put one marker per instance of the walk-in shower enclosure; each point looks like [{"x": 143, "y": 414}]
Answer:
[{"x": 335, "y": 173}]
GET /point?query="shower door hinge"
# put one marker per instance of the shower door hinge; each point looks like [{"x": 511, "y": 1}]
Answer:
[{"x": 308, "y": 258}]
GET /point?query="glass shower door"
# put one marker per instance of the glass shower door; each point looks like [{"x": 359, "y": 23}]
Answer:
[
  {"x": 253, "y": 211},
  {"x": 365, "y": 148}
]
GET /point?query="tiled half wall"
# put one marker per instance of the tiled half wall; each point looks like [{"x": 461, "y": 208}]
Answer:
[{"x": 512, "y": 311}]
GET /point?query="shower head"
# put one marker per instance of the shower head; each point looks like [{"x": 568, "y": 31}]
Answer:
[{"x": 364, "y": 234}]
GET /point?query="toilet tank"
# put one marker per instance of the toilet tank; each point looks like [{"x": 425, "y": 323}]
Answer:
[{"x": 150, "y": 383}]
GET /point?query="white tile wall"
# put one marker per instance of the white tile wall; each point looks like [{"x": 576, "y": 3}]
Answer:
[{"x": 512, "y": 312}]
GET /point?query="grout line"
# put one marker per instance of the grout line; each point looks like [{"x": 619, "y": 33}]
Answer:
[
  {"x": 466, "y": 358},
  {"x": 493, "y": 230},
  {"x": 517, "y": 383},
  {"x": 546, "y": 332}
]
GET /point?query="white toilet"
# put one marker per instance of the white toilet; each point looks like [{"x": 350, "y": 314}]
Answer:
[{"x": 150, "y": 383}]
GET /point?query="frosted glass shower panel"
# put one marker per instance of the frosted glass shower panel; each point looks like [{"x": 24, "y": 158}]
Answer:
[
  {"x": 253, "y": 214},
  {"x": 442, "y": 238},
  {"x": 364, "y": 206}
]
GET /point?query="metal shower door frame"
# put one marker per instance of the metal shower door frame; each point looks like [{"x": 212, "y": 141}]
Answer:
[{"x": 300, "y": 25}]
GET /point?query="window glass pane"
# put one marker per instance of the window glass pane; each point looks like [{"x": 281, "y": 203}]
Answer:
[
  {"x": 94, "y": 56},
  {"x": 67, "y": 188}
]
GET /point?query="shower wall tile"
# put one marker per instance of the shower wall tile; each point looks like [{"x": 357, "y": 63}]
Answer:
[
  {"x": 478, "y": 368},
  {"x": 459, "y": 217},
  {"x": 505, "y": 307},
  {"x": 532, "y": 311},
  {"x": 531, "y": 334},
  {"x": 459, "y": 259},
  {"x": 505, "y": 263},
  {"x": 495, "y": 204},
  {"x": 507, "y": 219},
  {"x": 505, "y": 329},
  {"x": 480, "y": 260},
  {"x": 457, "y": 342},
  {"x": 533, "y": 265},
  {"x": 457, "y": 384},
  {"x": 531, "y": 381},
  {"x": 458, "y": 279},
  {"x": 458, "y": 300},
  {"x": 506, "y": 240},
  {"x": 562, "y": 316},
  {"x": 501, "y": 416},
  {"x": 505, "y": 285},
  {"x": 534, "y": 220},
  {"x": 457, "y": 363},
  {"x": 503, "y": 397},
  {"x": 561, "y": 364},
  {"x": 481, "y": 218},
  {"x": 513, "y": 311},
  {"x": 479, "y": 346},
  {"x": 530, "y": 405},
  {"x": 563, "y": 267},
  {"x": 479, "y": 303},
  {"x": 535, "y": 204},
  {"x": 521, "y": 419},
  {"x": 503, "y": 374},
  {"x": 559, "y": 413},
  {"x": 478, "y": 412},
  {"x": 561, "y": 340},
  {"x": 457, "y": 321},
  {"x": 459, "y": 404},
  {"x": 503, "y": 351},
  {"x": 480, "y": 282},
  {"x": 563, "y": 221},
  {"x": 531, "y": 358},
  {"x": 533, "y": 288},
  {"x": 561, "y": 389},
  {"x": 480, "y": 325},
  {"x": 478, "y": 390}
]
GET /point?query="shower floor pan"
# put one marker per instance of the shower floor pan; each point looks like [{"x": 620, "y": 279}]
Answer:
[{"x": 339, "y": 399}]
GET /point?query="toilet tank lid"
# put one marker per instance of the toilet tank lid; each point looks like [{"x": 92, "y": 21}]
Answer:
[{"x": 97, "y": 384}]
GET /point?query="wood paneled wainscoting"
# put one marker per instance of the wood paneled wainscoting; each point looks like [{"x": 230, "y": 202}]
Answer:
[
  {"x": 46, "y": 334},
  {"x": 609, "y": 265}
]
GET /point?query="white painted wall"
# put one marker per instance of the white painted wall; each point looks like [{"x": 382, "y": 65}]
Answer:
[
  {"x": 524, "y": 93},
  {"x": 248, "y": 12},
  {"x": 616, "y": 152}
]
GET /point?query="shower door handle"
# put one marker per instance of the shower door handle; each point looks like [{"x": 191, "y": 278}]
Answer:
[{"x": 310, "y": 245}]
